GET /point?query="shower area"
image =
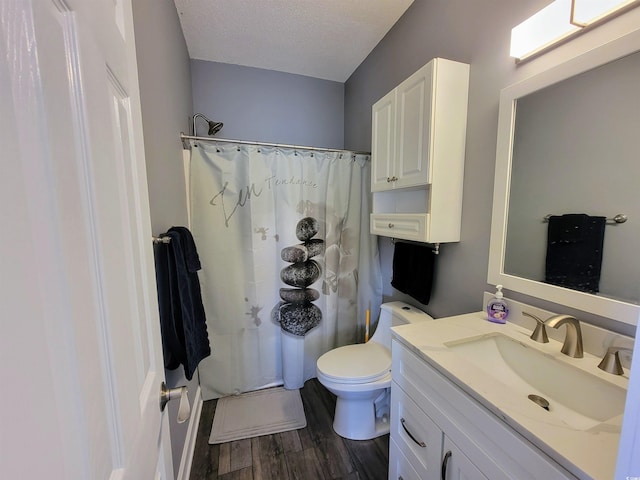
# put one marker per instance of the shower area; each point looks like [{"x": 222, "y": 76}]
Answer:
[{"x": 289, "y": 268}]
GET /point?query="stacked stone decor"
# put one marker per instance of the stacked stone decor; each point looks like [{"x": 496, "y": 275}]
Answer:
[{"x": 296, "y": 313}]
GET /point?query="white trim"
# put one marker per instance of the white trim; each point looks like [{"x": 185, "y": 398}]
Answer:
[
  {"x": 628, "y": 465},
  {"x": 192, "y": 433}
]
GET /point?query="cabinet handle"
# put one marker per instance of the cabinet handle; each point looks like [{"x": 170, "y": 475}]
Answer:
[
  {"x": 445, "y": 461},
  {"x": 391, "y": 225},
  {"x": 421, "y": 444},
  {"x": 392, "y": 179},
  {"x": 389, "y": 180}
]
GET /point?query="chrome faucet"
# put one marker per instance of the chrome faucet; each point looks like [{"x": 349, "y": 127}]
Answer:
[
  {"x": 611, "y": 361},
  {"x": 539, "y": 333},
  {"x": 573, "y": 338}
]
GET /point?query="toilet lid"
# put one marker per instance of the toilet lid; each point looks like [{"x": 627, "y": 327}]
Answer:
[{"x": 361, "y": 363}]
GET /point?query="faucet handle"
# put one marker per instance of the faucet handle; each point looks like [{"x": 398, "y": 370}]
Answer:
[
  {"x": 611, "y": 361},
  {"x": 540, "y": 332}
]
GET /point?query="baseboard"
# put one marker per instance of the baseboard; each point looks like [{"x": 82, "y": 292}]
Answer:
[{"x": 190, "y": 442}]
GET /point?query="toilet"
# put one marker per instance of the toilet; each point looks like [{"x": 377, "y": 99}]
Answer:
[{"x": 360, "y": 376}]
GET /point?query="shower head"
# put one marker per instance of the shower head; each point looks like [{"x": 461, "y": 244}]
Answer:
[{"x": 214, "y": 127}]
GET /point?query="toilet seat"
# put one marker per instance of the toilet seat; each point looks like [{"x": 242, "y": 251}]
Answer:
[{"x": 354, "y": 364}]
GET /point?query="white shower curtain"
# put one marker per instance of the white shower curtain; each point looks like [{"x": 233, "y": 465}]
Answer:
[{"x": 288, "y": 265}]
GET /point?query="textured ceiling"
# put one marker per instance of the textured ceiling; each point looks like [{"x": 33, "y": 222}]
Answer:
[{"x": 325, "y": 39}]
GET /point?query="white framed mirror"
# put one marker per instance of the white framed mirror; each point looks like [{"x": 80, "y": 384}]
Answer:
[{"x": 547, "y": 162}]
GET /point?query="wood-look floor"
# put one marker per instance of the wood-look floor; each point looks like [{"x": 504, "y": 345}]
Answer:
[{"x": 314, "y": 452}]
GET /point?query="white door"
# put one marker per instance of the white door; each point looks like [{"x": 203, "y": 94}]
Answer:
[
  {"x": 413, "y": 128},
  {"x": 81, "y": 357},
  {"x": 383, "y": 127},
  {"x": 456, "y": 465}
]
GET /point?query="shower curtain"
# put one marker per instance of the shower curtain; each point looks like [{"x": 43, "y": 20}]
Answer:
[{"x": 288, "y": 265}]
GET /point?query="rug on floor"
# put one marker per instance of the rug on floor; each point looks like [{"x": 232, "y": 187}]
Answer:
[{"x": 252, "y": 414}]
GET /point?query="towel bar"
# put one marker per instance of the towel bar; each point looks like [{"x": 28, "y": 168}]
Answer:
[
  {"x": 158, "y": 240},
  {"x": 435, "y": 246},
  {"x": 620, "y": 218}
]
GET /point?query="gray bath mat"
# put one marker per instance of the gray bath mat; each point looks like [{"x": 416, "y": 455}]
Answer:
[{"x": 253, "y": 414}]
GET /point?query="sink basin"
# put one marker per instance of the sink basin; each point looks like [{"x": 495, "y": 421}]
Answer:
[{"x": 574, "y": 396}]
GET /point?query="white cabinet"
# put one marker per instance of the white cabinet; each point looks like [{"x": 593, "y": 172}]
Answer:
[
  {"x": 456, "y": 465},
  {"x": 418, "y": 445},
  {"x": 418, "y": 147},
  {"x": 399, "y": 466},
  {"x": 416, "y": 435},
  {"x": 402, "y": 225},
  {"x": 436, "y": 428},
  {"x": 401, "y": 126},
  {"x": 383, "y": 142}
]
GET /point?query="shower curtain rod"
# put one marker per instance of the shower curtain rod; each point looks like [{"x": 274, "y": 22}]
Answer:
[{"x": 184, "y": 137}]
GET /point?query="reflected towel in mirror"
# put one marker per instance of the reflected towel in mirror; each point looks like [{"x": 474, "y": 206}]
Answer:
[{"x": 574, "y": 251}]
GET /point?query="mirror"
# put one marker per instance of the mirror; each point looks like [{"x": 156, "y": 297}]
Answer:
[
  {"x": 568, "y": 142},
  {"x": 575, "y": 150}
]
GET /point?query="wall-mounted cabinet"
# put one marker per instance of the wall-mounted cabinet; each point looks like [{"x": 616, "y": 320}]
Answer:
[{"x": 418, "y": 147}]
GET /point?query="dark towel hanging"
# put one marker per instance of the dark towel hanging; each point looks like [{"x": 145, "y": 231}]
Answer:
[
  {"x": 574, "y": 251},
  {"x": 182, "y": 318},
  {"x": 413, "y": 267},
  {"x": 171, "y": 329}
]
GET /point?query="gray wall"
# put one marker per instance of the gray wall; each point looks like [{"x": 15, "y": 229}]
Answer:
[
  {"x": 477, "y": 33},
  {"x": 266, "y": 106},
  {"x": 165, "y": 90}
]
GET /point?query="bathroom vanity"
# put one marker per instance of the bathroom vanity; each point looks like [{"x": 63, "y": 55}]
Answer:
[{"x": 460, "y": 406}]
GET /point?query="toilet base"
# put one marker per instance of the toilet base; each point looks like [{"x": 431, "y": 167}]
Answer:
[{"x": 356, "y": 419}]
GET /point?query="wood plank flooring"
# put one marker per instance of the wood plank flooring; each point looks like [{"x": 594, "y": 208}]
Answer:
[{"x": 315, "y": 452}]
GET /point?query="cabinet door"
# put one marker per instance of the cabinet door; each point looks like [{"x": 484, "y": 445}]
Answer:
[
  {"x": 417, "y": 436},
  {"x": 399, "y": 466},
  {"x": 455, "y": 464},
  {"x": 383, "y": 142},
  {"x": 413, "y": 128}
]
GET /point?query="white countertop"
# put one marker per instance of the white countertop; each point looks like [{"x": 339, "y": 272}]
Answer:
[{"x": 587, "y": 453}]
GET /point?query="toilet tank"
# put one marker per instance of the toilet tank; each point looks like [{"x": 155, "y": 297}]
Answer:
[{"x": 393, "y": 314}]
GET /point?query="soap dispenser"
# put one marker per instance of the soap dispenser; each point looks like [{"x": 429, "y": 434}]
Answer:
[{"x": 497, "y": 308}]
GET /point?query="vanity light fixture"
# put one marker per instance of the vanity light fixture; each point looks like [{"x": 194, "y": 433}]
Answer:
[{"x": 560, "y": 21}]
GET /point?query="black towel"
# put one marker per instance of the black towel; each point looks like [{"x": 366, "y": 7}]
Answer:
[
  {"x": 183, "y": 322},
  {"x": 169, "y": 306},
  {"x": 413, "y": 267},
  {"x": 574, "y": 251}
]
